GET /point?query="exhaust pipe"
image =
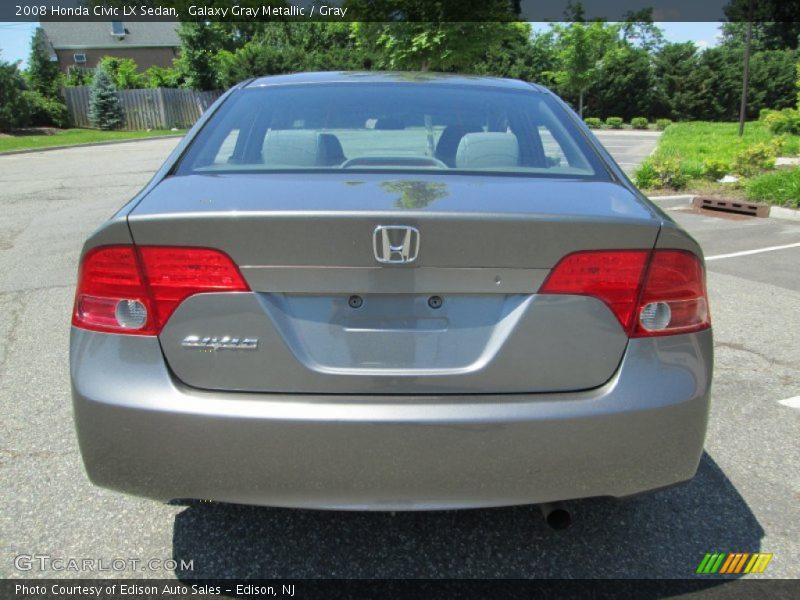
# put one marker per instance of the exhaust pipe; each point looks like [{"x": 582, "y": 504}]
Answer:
[{"x": 556, "y": 515}]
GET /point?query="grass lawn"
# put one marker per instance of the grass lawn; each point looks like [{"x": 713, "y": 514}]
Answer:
[
  {"x": 32, "y": 139},
  {"x": 698, "y": 141},
  {"x": 690, "y": 147}
]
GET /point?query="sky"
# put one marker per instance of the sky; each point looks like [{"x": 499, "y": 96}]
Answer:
[{"x": 15, "y": 38}]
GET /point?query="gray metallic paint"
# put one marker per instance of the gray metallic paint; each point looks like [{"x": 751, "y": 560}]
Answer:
[
  {"x": 143, "y": 432},
  {"x": 475, "y": 343},
  {"x": 324, "y": 220}
]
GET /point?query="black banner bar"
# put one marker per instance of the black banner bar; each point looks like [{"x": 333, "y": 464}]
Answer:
[
  {"x": 332, "y": 589},
  {"x": 398, "y": 10}
]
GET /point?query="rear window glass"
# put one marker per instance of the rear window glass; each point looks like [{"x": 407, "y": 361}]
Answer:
[{"x": 391, "y": 126}]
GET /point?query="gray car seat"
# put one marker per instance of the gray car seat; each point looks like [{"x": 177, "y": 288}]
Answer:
[
  {"x": 301, "y": 148},
  {"x": 487, "y": 150}
]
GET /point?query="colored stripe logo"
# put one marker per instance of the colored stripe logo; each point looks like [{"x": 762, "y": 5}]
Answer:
[{"x": 729, "y": 563}]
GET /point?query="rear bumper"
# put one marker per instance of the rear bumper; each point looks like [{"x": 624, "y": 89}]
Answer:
[{"x": 144, "y": 433}]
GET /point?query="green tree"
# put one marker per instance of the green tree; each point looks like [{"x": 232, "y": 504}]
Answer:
[
  {"x": 14, "y": 110},
  {"x": 200, "y": 42},
  {"x": 203, "y": 43},
  {"x": 628, "y": 86},
  {"x": 521, "y": 55},
  {"x": 429, "y": 46},
  {"x": 430, "y": 35},
  {"x": 291, "y": 47},
  {"x": 639, "y": 30},
  {"x": 581, "y": 48},
  {"x": 105, "y": 111},
  {"x": 775, "y": 24},
  {"x": 44, "y": 76},
  {"x": 680, "y": 78},
  {"x": 772, "y": 81}
]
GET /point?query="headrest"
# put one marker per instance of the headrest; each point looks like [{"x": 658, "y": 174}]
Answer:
[
  {"x": 487, "y": 150},
  {"x": 300, "y": 148}
]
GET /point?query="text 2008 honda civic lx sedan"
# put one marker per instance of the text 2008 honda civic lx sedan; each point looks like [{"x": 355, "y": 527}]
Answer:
[{"x": 388, "y": 292}]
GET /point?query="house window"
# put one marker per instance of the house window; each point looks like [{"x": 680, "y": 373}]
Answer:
[
  {"x": 79, "y": 59},
  {"x": 117, "y": 28}
]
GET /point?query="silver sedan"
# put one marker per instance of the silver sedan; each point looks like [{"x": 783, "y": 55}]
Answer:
[{"x": 390, "y": 292}]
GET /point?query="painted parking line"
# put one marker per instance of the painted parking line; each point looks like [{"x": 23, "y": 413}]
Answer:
[
  {"x": 756, "y": 251},
  {"x": 791, "y": 402}
]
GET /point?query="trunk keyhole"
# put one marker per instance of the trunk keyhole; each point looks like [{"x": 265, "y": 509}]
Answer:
[
  {"x": 435, "y": 301},
  {"x": 355, "y": 301}
]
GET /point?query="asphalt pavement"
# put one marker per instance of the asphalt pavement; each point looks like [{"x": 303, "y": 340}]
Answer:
[
  {"x": 744, "y": 498},
  {"x": 628, "y": 147}
]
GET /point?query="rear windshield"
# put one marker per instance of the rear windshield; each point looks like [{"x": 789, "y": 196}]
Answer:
[{"x": 392, "y": 126}]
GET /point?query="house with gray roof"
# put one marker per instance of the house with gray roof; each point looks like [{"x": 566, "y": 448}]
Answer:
[{"x": 83, "y": 44}]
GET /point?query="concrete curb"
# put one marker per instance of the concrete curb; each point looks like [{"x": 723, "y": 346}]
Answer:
[
  {"x": 775, "y": 212},
  {"x": 779, "y": 212},
  {"x": 106, "y": 143},
  {"x": 672, "y": 201}
]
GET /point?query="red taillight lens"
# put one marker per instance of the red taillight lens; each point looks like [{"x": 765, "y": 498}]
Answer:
[
  {"x": 134, "y": 290},
  {"x": 611, "y": 276},
  {"x": 173, "y": 274},
  {"x": 109, "y": 278},
  {"x": 674, "y": 298},
  {"x": 666, "y": 297}
]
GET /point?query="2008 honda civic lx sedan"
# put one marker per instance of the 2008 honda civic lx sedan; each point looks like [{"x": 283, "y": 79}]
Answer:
[{"x": 386, "y": 292}]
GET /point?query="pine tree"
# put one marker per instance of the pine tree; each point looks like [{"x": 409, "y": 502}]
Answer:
[
  {"x": 43, "y": 72},
  {"x": 105, "y": 111}
]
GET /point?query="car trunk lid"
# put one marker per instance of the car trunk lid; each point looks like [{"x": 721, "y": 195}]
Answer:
[{"x": 328, "y": 317}]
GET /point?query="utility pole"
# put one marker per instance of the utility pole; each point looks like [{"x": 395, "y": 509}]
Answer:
[{"x": 746, "y": 75}]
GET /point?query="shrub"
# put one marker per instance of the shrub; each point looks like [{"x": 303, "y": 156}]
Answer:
[
  {"x": 754, "y": 159},
  {"x": 46, "y": 111},
  {"x": 124, "y": 72},
  {"x": 639, "y": 122},
  {"x": 78, "y": 76},
  {"x": 781, "y": 187},
  {"x": 166, "y": 77},
  {"x": 14, "y": 109},
  {"x": 762, "y": 114},
  {"x": 662, "y": 173},
  {"x": 646, "y": 176},
  {"x": 783, "y": 121},
  {"x": 777, "y": 144},
  {"x": 593, "y": 122},
  {"x": 614, "y": 122},
  {"x": 662, "y": 124},
  {"x": 105, "y": 111},
  {"x": 670, "y": 173},
  {"x": 714, "y": 169}
]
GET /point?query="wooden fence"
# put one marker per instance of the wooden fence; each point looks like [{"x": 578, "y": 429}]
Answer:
[{"x": 152, "y": 108}]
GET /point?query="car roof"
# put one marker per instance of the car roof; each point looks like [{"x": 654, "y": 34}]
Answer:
[{"x": 425, "y": 77}]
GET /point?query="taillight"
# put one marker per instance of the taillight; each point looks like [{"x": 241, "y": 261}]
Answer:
[
  {"x": 134, "y": 290},
  {"x": 666, "y": 296},
  {"x": 611, "y": 276},
  {"x": 674, "y": 298}
]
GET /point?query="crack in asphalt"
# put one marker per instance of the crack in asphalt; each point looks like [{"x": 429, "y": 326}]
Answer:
[{"x": 761, "y": 355}]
